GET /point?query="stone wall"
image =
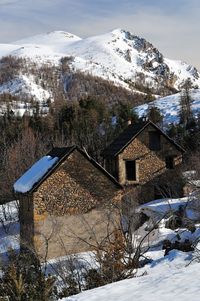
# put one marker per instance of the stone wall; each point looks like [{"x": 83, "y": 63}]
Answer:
[
  {"x": 150, "y": 164},
  {"x": 57, "y": 236},
  {"x": 75, "y": 196},
  {"x": 76, "y": 186}
]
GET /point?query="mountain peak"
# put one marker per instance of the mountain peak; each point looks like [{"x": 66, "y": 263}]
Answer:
[
  {"x": 118, "y": 31},
  {"x": 123, "y": 33},
  {"x": 126, "y": 59}
]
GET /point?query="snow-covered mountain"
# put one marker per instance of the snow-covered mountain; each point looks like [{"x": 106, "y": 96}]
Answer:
[{"x": 120, "y": 56}]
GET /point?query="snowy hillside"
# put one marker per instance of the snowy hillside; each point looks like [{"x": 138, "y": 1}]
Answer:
[
  {"x": 119, "y": 56},
  {"x": 169, "y": 106},
  {"x": 167, "y": 278}
]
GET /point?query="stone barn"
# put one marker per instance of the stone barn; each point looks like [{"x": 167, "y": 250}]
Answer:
[
  {"x": 67, "y": 203},
  {"x": 143, "y": 157}
]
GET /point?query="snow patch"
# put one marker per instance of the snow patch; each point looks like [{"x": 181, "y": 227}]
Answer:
[{"x": 25, "y": 85}]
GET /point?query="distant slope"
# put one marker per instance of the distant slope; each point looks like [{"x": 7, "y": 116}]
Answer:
[
  {"x": 57, "y": 41},
  {"x": 170, "y": 105}
]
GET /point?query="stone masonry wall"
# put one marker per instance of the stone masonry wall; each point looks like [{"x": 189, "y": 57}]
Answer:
[
  {"x": 75, "y": 190},
  {"x": 70, "y": 234},
  {"x": 150, "y": 164}
]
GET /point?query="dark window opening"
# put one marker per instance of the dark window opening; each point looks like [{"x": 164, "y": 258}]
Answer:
[
  {"x": 154, "y": 141},
  {"x": 169, "y": 162},
  {"x": 130, "y": 170}
]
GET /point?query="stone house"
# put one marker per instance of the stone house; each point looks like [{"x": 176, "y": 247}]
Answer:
[
  {"x": 67, "y": 203},
  {"x": 140, "y": 157}
]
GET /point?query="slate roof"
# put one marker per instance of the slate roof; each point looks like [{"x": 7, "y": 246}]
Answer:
[
  {"x": 128, "y": 135},
  {"x": 60, "y": 152}
]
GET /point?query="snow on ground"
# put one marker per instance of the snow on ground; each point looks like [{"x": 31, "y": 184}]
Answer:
[
  {"x": 9, "y": 228},
  {"x": 26, "y": 182},
  {"x": 121, "y": 56},
  {"x": 162, "y": 206},
  {"x": 159, "y": 211},
  {"x": 20, "y": 109},
  {"x": 169, "y": 106},
  {"x": 43, "y": 48},
  {"x": 167, "y": 278},
  {"x": 6, "y": 49},
  {"x": 174, "y": 276},
  {"x": 157, "y": 236},
  {"x": 117, "y": 56}
]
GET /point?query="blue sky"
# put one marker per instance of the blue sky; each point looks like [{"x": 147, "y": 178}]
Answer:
[{"x": 173, "y": 26}]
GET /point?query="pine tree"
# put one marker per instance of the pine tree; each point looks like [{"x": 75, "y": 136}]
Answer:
[
  {"x": 24, "y": 280},
  {"x": 185, "y": 104},
  {"x": 154, "y": 114}
]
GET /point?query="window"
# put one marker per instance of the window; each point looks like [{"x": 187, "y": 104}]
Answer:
[
  {"x": 154, "y": 141},
  {"x": 169, "y": 162},
  {"x": 130, "y": 170}
]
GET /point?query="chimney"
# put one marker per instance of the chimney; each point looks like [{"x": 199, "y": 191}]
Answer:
[
  {"x": 144, "y": 118},
  {"x": 129, "y": 122}
]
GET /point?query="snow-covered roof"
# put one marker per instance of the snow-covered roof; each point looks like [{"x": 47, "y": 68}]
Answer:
[
  {"x": 42, "y": 168},
  {"x": 34, "y": 174}
]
